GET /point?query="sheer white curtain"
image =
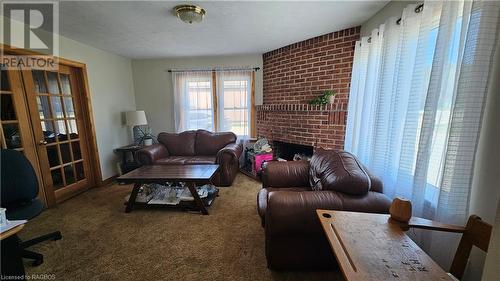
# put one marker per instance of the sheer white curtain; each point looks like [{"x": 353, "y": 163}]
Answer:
[
  {"x": 234, "y": 104},
  {"x": 416, "y": 102},
  {"x": 193, "y": 100}
]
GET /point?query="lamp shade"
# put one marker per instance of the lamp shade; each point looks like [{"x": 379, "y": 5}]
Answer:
[{"x": 135, "y": 118}]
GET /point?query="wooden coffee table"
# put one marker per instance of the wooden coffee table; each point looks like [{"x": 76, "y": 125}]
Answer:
[{"x": 190, "y": 174}]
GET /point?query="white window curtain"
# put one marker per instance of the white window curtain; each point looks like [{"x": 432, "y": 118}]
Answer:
[
  {"x": 193, "y": 101},
  {"x": 194, "y": 104},
  {"x": 417, "y": 96},
  {"x": 234, "y": 104}
]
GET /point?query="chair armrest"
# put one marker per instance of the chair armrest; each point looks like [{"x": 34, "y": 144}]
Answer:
[
  {"x": 232, "y": 150},
  {"x": 150, "y": 154},
  {"x": 285, "y": 174},
  {"x": 416, "y": 222}
]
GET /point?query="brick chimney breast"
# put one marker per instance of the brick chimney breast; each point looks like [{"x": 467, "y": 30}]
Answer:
[{"x": 297, "y": 73}]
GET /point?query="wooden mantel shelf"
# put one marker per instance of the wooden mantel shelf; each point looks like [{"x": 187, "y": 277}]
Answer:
[{"x": 302, "y": 107}]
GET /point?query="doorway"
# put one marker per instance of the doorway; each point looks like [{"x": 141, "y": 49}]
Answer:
[{"x": 46, "y": 116}]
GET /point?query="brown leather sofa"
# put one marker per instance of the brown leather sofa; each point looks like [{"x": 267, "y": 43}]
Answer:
[
  {"x": 294, "y": 238},
  {"x": 196, "y": 147}
]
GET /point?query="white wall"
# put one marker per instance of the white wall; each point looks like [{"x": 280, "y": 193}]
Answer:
[
  {"x": 153, "y": 84},
  {"x": 112, "y": 92},
  {"x": 392, "y": 9}
]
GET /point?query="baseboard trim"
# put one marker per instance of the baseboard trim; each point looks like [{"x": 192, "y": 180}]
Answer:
[{"x": 107, "y": 181}]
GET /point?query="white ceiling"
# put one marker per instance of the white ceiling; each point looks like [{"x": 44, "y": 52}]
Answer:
[{"x": 149, "y": 29}]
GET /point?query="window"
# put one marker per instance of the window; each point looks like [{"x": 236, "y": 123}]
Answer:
[
  {"x": 193, "y": 101},
  {"x": 199, "y": 105},
  {"x": 234, "y": 95},
  {"x": 228, "y": 108}
]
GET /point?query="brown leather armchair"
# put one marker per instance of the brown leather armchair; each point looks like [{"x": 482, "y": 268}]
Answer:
[
  {"x": 196, "y": 147},
  {"x": 294, "y": 238}
]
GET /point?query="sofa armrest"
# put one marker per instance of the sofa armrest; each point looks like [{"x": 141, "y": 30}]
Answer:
[
  {"x": 377, "y": 184},
  {"x": 285, "y": 174},
  {"x": 228, "y": 159},
  {"x": 150, "y": 154},
  {"x": 294, "y": 212},
  {"x": 229, "y": 152}
]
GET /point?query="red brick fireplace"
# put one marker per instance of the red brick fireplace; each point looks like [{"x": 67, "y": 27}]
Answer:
[{"x": 297, "y": 73}]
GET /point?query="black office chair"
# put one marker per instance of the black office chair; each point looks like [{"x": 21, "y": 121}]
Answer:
[{"x": 19, "y": 191}]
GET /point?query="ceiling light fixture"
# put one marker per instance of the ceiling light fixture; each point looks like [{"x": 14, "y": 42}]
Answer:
[{"x": 189, "y": 13}]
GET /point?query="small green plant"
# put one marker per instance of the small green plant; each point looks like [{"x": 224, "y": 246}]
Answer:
[
  {"x": 145, "y": 134},
  {"x": 322, "y": 99}
]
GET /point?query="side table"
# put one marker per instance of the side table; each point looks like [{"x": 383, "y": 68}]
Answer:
[{"x": 129, "y": 162}]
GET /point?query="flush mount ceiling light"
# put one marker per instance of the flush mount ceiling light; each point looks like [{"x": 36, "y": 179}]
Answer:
[{"x": 189, "y": 13}]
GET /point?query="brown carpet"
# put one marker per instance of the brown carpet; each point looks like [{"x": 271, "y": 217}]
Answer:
[{"x": 101, "y": 242}]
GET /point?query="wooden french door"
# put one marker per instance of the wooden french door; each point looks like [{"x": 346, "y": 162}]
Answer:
[
  {"x": 53, "y": 99},
  {"x": 15, "y": 130}
]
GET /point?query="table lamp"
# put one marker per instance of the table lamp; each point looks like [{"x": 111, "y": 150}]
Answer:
[{"x": 134, "y": 119}]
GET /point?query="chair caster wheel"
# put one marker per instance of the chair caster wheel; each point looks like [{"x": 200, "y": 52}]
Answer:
[{"x": 37, "y": 262}]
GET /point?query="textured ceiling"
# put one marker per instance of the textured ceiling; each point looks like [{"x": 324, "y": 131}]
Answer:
[{"x": 149, "y": 29}]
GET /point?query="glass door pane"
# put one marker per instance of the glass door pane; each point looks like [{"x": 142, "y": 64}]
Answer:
[{"x": 9, "y": 123}]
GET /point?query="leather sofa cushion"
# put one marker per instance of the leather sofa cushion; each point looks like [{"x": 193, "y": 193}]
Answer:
[
  {"x": 186, "y": 160},
  {"x": 200, "y": 160},
  {"x": 340, "y": 171},
  {"x": 208, "y": 143},
  {"x": 179, "y": 144},
  {"x": 172, "y": 160}
]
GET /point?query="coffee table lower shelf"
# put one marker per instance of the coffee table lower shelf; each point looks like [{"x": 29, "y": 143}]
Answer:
[{"x": 183, "y": 205}]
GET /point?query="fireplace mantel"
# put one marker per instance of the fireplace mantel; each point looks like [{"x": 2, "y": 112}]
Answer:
[{"x": 302, "y": 107}]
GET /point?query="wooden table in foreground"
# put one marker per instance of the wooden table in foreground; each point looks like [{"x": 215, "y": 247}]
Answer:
[
  {"x": 369, "y": 247},
  {"x": 11, "y": 232},
  {"x": 190, "y": 174},
  {"x": 12, "y": 265}
]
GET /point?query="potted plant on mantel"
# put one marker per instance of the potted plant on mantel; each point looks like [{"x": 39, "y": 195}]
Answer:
[{"x": 325, "y": 98}]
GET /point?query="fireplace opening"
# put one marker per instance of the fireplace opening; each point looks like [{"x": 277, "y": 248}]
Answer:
[{"x": 291, "y": 151}]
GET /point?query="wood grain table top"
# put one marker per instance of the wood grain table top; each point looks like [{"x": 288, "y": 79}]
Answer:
[
  {"x": 369, "y": 247},
  {"x": 153, "y": 173},
  {"x": 11, "y": 231}
]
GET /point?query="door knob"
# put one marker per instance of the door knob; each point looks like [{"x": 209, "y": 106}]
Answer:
[{"x": 42, "y": 142}]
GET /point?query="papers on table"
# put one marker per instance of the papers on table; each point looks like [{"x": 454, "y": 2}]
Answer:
[
  {"x": 166, "y": 196},
  {"x": 11, "y": 224},
  {"x": 187, "y": 196},
  {"x": 160, "y": 194}
]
